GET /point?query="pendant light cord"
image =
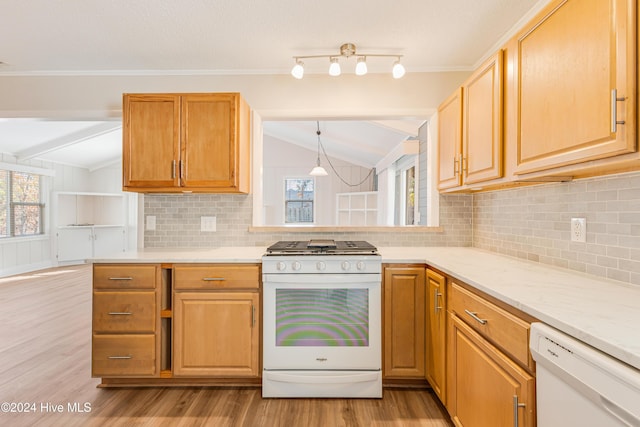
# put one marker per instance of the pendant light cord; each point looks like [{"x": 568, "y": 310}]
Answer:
[{"x": 334, "y": 169}]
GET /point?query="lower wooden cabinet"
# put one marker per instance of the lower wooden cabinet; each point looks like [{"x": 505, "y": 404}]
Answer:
[
  {"x": 404, "y": 322},
  {"x": 486, "y": 388},
  {"x": 436, "y": 333},
  {"x": 490, "y": 376},
  {"x": 216, "y": 334},
  {"x": 126, "y": 321}
]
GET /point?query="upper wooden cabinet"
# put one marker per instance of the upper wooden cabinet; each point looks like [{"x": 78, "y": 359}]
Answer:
[
  {"x": 576, "y": 84},
  {"x": 186, "y": 143},
  {"x": 450, "y": 141},
  {"x": 470, "y": 129}
]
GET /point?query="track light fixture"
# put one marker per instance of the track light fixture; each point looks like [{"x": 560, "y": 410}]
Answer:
[{"x": 347, "y": 50}]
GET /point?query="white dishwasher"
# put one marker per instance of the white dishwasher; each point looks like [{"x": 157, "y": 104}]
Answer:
[{"x": 577, "y": 385}]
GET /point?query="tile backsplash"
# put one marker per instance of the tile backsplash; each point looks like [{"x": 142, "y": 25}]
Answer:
[
  {"x": 178, "y": 224},
  {"x": 529, "y": 222},
  {"x": 534, "y": 223}
]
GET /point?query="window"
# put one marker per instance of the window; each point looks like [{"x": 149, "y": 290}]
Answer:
[
  {"x": 21, "y": 206},
  {"x": 298, "y": 200}
]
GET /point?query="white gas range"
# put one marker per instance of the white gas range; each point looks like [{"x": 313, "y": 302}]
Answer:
[{"x": 322, "y": 319}]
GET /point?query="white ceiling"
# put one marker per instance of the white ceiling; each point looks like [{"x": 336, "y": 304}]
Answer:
[{"x": 97, "y": 37}]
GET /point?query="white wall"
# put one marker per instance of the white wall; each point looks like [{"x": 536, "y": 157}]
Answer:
[
  {"x": 23, "y": 254},
  {"x": 284, "y": 160}
]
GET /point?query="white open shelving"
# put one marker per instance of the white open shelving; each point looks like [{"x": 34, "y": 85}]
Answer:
[{"x": 359, "y": 208}]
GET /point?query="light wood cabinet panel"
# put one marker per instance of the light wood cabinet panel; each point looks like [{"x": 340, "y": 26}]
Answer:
[
  {"x": 126, "y": 320},
  {"x": 485, "y": 386},
  {"x": 505, "y": 330},
  {"x": 570, "y": 60},
  {"x": 482, "y": 148},
  {"x": 117, "y": 312},
  {"x": 186, "y": 143},
  {"x": 450, "y": 141},
  {"x": 436, "y": 333},
  {"x": 150, "y": 130},
  {"x": 124, "y": 355},
  {"x": 222, "y": 276},
  {"x": 216, "y": 334},
  {"x": 404, "y": 322},
  {"x": 118, "y": 276}
]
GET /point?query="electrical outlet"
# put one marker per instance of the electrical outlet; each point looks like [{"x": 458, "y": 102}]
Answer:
[
  {"x": 207, "y": 223},
  {"x": 578, "y": 229}
]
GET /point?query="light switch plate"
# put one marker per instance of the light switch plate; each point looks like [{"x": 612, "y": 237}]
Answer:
[
  {"x": 151, "y": 223},
  {"x": 207, "y": 223},
  {"x": 578, "y": 229}
]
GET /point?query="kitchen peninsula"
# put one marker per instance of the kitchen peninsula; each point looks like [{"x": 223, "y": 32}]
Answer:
[{"x": 600, "y": 312}]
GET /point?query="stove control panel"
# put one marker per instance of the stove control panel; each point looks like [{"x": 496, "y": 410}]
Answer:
[{"x": 335, "y": 264}]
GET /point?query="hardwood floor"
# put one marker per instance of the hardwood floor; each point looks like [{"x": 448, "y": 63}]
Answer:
[{"x": 45, "y": 353}]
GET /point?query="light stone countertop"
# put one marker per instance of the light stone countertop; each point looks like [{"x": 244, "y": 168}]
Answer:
[{"x": 600, "y": 312}]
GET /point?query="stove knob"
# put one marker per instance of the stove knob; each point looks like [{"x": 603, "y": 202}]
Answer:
[
  {"x": 346, "y": 265},
  {"x": 321, "y": 265},
  {"x": 296, "y": 265},
  {"x": 280, "y": 266},
  {"x": 360, "y": 265}
]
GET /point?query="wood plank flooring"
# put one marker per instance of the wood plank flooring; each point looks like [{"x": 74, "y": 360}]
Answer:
[{"x": 45, "y": 354}]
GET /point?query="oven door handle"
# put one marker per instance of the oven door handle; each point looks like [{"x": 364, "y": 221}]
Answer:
[{"x": 300, "y": 378}]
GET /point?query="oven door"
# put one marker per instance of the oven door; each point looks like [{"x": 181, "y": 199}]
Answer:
[{"x": 322, "y": 322}]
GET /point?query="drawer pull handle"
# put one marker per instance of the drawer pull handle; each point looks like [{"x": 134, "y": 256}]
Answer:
[
  {"x": 120, "y": 278},
  {"x": 614, "y": 110},
  {"x": 120, "y": 313},
  {"x": 213, "y": 279},
  {"x": 120, "y": 357},
  {"x": 516, "y": 406},
  {"x": 475, "y": 317},
  {"x": 436, "y": 307}
]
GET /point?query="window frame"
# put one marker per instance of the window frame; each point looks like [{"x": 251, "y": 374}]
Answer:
[
  {"x": 10, "y": 206},
  {"x": 286, "y": 200}
]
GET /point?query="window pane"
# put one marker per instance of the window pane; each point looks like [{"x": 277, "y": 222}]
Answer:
[
  {"x": 299, "y": 211},
  {"x": 26, "y": 219},
  {"x": 4, "y": 206},
  {"x": 410, "y": 175},
  {"x": 25, "y": 187}
]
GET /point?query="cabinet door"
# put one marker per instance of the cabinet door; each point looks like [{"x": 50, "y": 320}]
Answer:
[
  {"x": 574, "y": 60},
  {"x": 436, "y": 333},
  {"x": 450, "y": 141},
  {"x": 108, "y": 240},
  {"x": 482, "y": 128},
  {"x": 74, "y": 244},
  {"x": 216, "y": 334},
  {"x": 486, "y": 388},
  {"x": 404, "y": 322},
  {"x": 151, "y": 132},
  {"x": 209, "y": 135}
]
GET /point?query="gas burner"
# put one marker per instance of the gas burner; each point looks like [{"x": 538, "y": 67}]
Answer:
[{"x": 322, "y": 247}]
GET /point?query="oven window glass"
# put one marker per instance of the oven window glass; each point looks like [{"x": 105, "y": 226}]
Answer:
[{"x": 322, "y": 317}]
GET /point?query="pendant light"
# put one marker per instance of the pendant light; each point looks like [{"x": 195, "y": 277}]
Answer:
[{"x": 318, "y": 170}]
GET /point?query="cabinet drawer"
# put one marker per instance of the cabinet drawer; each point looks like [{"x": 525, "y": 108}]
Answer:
[
  {"x": 123, "y": 355},
  {"x": 216, "y": 276},
  {"x": 124, "y": 276},
  {"x": 497, "y": 325},
  {"x": 130, "y": 311}
]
